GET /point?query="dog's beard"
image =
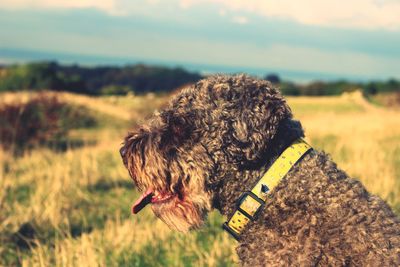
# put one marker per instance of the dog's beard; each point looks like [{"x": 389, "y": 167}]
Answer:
[{"x": 180, "y": 215}]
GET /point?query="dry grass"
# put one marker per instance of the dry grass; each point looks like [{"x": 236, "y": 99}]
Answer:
[
  {"x": 73, "y": 208},
  {"x": 364, "y": 141}
]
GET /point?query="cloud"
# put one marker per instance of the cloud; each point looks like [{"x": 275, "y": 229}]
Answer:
[
  {"x": 357, "y": 14},
  {"x": 108, "y": 6},
  {"x": 240, "y": 20},
  {"x": 354, "y": 14}
]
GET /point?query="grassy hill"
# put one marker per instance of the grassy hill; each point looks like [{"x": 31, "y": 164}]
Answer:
[{"x": 72, "y": 208}]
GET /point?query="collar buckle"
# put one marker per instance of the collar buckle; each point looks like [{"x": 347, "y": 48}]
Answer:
[
  {"x": 250, "y": 205},
  {"x": 248, "y": 208}
]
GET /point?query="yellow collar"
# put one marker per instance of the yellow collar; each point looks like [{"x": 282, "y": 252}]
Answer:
[{"x": 251, "y": 202}]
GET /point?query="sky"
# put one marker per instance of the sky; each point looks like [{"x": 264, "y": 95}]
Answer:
[{"x": 297, "y": 39}]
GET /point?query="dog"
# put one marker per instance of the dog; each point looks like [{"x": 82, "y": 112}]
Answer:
[{"x": 216, "y": 140}]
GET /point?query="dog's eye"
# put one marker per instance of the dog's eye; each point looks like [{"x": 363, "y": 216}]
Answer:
[{"x": 122, "y": 152}]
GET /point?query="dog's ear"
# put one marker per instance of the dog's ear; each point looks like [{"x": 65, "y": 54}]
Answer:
[
  {"x": 277, "y": 110},
  {"x": 256, "y": 124}
]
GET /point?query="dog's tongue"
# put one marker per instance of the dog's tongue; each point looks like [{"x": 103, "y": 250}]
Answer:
[{"x": 142, "y": 201}]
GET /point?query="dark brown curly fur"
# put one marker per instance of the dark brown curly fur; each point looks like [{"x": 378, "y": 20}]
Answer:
[{"x": 214, "y": 141}]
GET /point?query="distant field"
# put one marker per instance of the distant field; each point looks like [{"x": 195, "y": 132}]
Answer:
[{"x": 73, "y": 208}]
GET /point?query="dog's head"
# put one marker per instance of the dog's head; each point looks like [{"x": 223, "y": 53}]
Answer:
[
  {"x": 169, "y": 168},
  {"x": 181, "y": 157}
]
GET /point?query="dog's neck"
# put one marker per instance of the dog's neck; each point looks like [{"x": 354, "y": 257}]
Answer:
[{"x": 243, "y": 178}]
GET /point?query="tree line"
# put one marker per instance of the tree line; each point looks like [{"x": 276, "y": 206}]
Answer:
[
  {"x": 320, "y": 88},
  {"x": 141, "y": 78},
  {"x": 138, "y": 78}
]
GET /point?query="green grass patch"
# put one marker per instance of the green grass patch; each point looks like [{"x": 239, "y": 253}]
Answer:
[
  {"x": 20, "y": 194},
  {"x": 329, "y": 144}
]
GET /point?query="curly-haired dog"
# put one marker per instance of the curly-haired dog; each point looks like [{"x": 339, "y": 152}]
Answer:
[{"x": 214, "y": 142}]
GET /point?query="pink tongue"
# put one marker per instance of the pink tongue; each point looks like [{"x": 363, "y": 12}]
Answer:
[{"x": 142, "y": 201}]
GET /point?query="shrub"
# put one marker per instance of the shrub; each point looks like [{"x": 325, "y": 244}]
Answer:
[
  {"x": 115, "y": 90},
  {"x": 288, "y": 88},
  {"x": 273, "y": 78},
  {"x": 41, "y": 120}
]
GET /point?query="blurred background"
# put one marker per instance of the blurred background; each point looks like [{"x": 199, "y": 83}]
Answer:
[{"x": 76, "y": 76}]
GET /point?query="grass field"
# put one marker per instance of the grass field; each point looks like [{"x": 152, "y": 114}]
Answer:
[{"x": 72, "y": 208}]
